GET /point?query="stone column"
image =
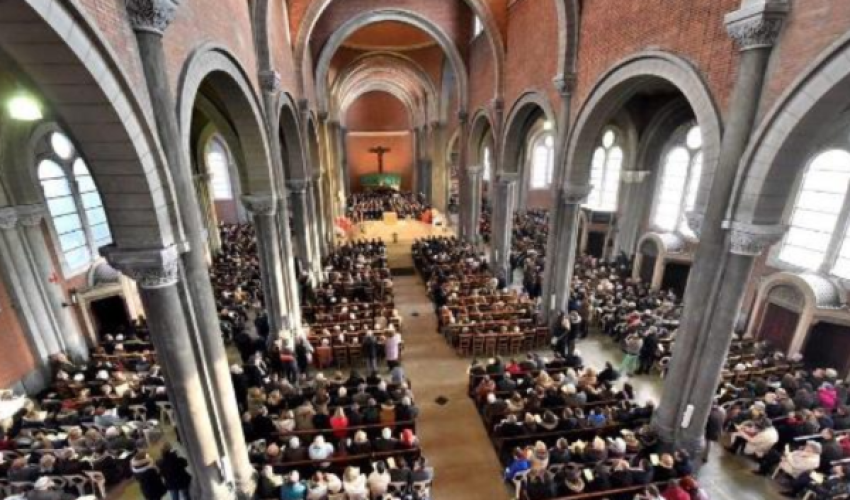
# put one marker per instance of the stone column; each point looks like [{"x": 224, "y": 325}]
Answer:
[
  {"x": 439, "y": 170},
  {"x": 343, "y": 160},
  {"x": 149, "y": 19},
  {"x": 30, "y": 219},
  {"x": 291, "y": 305},
  {"x": 464, "y": 189},
  {"x": 473, "y": 196},
  {"x": 723, "y": 259},
  {"x": 565, "y": 84},
  {"x": 304, "y": 241},
  {"x": 202, "y": 185},
  {"x": 629, "y": 223},
  {"x": 264, "y": 212},
  {"x": 566, "y": 235},
  {"x": 156, "y": 273},
  {"x": 318, "y": 214},
  {"x": 503, "y": 223}
]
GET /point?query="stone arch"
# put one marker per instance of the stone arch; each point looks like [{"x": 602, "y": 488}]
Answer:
[
  {"x": 415, "y": 115},
  {"x": 569, "y": 19},
  {"x": 481, "y": 130},
  {"x": 479, "y": 7},
  {"x": 657, "y": 246},
  {"x": 530, "y": 106},
  {"x": 109, "y": 126},
  {"x": 288, "y": 131},
  {"x": 782, "y": 144},
  {"x": 216, "y": 69},
  {"x": 623, "y": 81},
  {"x": 399, "y": 15}
]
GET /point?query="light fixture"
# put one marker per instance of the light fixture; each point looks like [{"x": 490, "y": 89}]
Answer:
[
  {"x": 22, "y": 106},
  {"x": 548, "y": 125}
]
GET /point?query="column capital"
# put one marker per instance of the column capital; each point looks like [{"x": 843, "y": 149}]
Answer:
[
  {"x": 463, "y": 116},
  {"x": 474, "y": 170},
  {"x": 297, "y": 185},
  {"x": 269, "y": 81},
  {"x": 498, "y": 105},
  {"x": 633, "y": 176},
  {"x": 694, "y": 220},
  {"x": 151, "y": 16},
  {"x": 565, "y": 84},
  {"x": 757, "y": 23},
  {"x": 8, "y": 218},
  {"x": 574, "y": 194},
  {"x": 508, "y": 178},
  {"x": 149, "y": 268},
  {"x": 260, "y": 204},
  {"x": 752, "y": 239}
]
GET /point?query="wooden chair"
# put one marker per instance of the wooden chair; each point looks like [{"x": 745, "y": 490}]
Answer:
[
  {"x": 166, "y": 412},
  {"x": 541, "y": 337},
  {"x": 341, "y": 355},
  {"x": 98, "y": 481},
  {"x": 516, "y": 344},
  {"x": 139, "y": 412},
  {"x": 78, "y": 482},
  {"x": 478, "y": 345},
  {"x": 464, "y": 347},
  {"x": 503, "y": 343},
  {"x": 528, "y": 340},
  {"x": 355, "y": 354},
  {"x": 491, "y": 345}
]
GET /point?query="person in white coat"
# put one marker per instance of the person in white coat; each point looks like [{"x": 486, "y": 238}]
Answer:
[{"x": 799, "y": 462}]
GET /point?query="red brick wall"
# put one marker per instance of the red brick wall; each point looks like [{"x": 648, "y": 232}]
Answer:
[
  {"x": 377, "y": 111},
  {"x": 539, "y": 198},
  {"x": 531, "y": 63},
  {"x": 693, "y": 30},
  {"x": 808, "y": 31},
  {"x": 481, "y": 76},
  {"x": 225, "y": 211},
  {"x": 398, "y": 161},
  {"x": 16, "y": 359},
  {"x": 280, "y": 50}
]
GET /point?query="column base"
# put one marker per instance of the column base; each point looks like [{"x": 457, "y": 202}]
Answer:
[{"x": 695, "y": 446}]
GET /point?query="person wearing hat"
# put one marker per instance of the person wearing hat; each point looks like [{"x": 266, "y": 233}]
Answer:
[
  {"x": 147, "y": 476},
  {"x": 293, "y": 488}
]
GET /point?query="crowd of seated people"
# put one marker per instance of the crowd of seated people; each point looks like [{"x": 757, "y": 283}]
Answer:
[
  {"x": 528, "y": 248},
  {"x": 476, "y": 313},
  {"x": 563, "y": 430},
  {"x": 237, "y": 284},
  {"x": 81, "y": 435},
  {"x": 795, "y": 424},
  {"x": 371, "y": 205}
]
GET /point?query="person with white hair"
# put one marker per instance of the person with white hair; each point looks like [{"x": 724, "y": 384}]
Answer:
[
  {"x": 320, "y": 449},
  {"x": 42, "y": 490}
]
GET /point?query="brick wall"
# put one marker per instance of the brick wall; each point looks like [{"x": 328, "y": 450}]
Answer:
[
  {"x": 16, "y": 359},
  {"x": 398, "y": 161},
  {"x": 481, "y": 76},
  {"x": 280, "y": 49},
  {"x": 693, "y": 30},
  {"x": 377, "y": 111},
  {"x": 531, "y": 63}
]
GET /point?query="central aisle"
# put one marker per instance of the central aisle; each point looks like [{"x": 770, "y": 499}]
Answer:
[{"x": 452, "y": 436}]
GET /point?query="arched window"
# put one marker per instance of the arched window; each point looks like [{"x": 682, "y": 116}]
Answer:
[
  {"x": 477, "y": 26},
  {"x": 219, "y": 168},
  {"x": 76, "y": 210},
  {"x": 487, "y": 162},
  {"x": 542, "y": 161},
  {"x": 605, "y": 173},
  {"x": 818, "y": 221},
  {"x": 681, "y": 169}
]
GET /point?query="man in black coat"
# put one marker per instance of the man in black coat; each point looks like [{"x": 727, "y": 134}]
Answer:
[
  {"x": 173, "y": 469},
  {"x": 713, "y": 428}
]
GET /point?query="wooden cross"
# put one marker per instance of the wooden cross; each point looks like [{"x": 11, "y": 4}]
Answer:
[{"x": 380, "y": 151}]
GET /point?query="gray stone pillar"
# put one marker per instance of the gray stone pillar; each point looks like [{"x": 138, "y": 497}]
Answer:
[
  {"x": 473, "y": 196},
  {"x": 635, "y": 197},
  {"x": 439, "y": 170},
  {"x": 156, "y": 273},
  {"x": 30, "y": 219},
  {"x": 317, "y": 216},
  {"x": 264, "y": 212},
  {"x": 343, "y": 160},
  {"x": 464, "y": 189},
  {"x": 291, "y": 301},
  {"x": 723, "y": 261},
  {"x": 304, "y": 241},
  {"x": 561, "y": 268},
  {"x": 565, "y": 84},
  {"x": 503, "y": 222},
  {"x": 149, "y": 19}
]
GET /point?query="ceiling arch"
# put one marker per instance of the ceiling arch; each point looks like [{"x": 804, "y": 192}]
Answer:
[{"x": 479, "y": 7}]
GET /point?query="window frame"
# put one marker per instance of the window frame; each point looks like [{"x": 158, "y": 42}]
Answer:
[
  {"x": 840, "y": 231},
  {"x": 618, "y": 143},
  {"x": 678, "y": 139},
  {"x": 216, "y": 141},
  {"x": 477, "y": 27},
  {"x": 44, "y": 152},
  {"x": 534, "y": 140}
]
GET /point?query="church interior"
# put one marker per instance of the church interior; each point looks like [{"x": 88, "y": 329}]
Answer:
[{"x": 424, "y": 249}]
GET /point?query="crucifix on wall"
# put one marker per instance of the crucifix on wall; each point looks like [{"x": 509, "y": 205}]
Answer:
[{"x": 380, "y": 151}]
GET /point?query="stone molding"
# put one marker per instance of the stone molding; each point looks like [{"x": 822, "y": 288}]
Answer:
[
  {"x": 757, "y": 23},
  {"x": 474, "y": 170},
  {"x": 22, "y": 215},
  {"x": 8, "y": 218},
  {"x": 269, "y": 81},
  {"x": 260, "y": 204},
  {"x": 297, "y": 185},
  {"x": 149, "y": 268},
  {"x": 573, "y": 194},
  {"x": 565, "y": 84},
  {"x": 151, "y": 16},
  {"x": 752, "y": 239}
]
